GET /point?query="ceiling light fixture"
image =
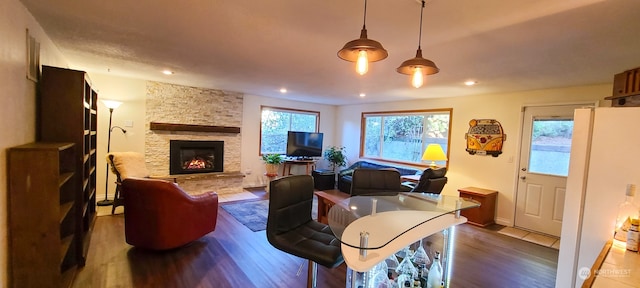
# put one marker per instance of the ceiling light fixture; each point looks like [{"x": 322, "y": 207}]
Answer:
[
  {"x": 167, "y": 72},
  {"x": 418, "y": 66},
  {"x": 283, "y": 90},
  {"x": 363, "y": 50},
  {"x": 470, "y": 83}
]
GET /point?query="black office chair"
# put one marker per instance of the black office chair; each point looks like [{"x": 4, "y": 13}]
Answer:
[
  {"x": 375, "y": 182},
  {"x": 431, "y": 181},
  {"x": 291, "y": 229}
]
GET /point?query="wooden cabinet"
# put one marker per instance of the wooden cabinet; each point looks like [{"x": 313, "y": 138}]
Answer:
[
  {"x": 485, "y": 214},
  {"x": 42, "y": 220},
  {"x": 67, "y": 112}
]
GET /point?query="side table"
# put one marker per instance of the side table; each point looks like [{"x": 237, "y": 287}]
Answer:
[
  {"x": 309, "y": 166},
  {"x": 270, "y": 176},
  {"x": 326, "y": 200},
  {"x": 324, "y": 179},
  {"x": 485, "y": 214}
]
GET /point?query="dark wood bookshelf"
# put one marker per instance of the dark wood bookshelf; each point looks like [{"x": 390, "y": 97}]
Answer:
[{"x": 42, "y": 220}]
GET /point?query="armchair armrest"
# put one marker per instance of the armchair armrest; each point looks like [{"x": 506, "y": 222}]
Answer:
[{"x": 345, "y": 172}]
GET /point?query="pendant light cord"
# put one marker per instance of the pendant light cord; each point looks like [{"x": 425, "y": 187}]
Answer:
[
  {"x": 420, "y": 35},
  {"x": 364, "y": 20}
]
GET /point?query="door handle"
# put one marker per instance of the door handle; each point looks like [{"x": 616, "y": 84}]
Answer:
[{"x": 523, "y": 177}]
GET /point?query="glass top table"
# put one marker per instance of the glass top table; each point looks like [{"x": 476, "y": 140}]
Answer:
[{"x": 372, "y": 222}]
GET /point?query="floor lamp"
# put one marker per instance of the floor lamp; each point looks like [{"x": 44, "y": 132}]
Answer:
[{"x": 111, "y": 105}]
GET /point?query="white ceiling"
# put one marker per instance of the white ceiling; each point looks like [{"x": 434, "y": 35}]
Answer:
[{"x": 257, "y": 47}]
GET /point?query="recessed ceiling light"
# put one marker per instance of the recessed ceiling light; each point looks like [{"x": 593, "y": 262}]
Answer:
[
  {"x": 167, "y": 72},
  {"x": 362, "y": 94},
  {"x": 470, "y": 82},
  {"x": 283, "y": 90}
]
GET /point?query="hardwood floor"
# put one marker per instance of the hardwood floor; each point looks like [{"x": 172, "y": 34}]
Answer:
[{"x": 234, "y": 256}]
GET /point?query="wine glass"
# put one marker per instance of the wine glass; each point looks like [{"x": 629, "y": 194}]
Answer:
[
  {"x": 380, "y": 278},
  {"x": 420, "y": 256},
  {"x": 406, "y": 268},
  {"x": 404, "y": 253},
  {"x": 392, "y": 262}
]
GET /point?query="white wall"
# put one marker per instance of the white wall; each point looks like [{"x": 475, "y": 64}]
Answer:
[
  {"x": 17, "y": 98},
  {"x": 341, "y": 125},
  {"x": 17, "y": 119},
  {"x": 596, "y": 186},
  {"x": 496, "y": 173},
  {"x": 132, "y": 94},
  {"x": 252, "y": 165}
]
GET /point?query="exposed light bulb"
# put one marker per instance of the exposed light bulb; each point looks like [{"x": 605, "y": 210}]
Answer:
[
  {"x": 362, "y": 66},
  {"x": 417, "y": 80}
]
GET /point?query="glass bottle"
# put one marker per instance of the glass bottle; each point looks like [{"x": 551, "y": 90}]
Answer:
[
  {"x": 626, "y": 211},
  {"x": 392, "y": 264},
  {"x": 422, "y": 275},
  {"x": 633, "y": 236},
  {"x": 435, "y": 273}
]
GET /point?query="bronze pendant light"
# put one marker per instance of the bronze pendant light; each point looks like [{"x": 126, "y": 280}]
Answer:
[
  {"x": 363, "y": 50},
  {"x": 418, "y": 66}
]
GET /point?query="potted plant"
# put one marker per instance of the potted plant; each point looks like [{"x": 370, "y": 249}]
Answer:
[
  {"x": 335, "y": 155},
  {"x": 272, "y": 161}
]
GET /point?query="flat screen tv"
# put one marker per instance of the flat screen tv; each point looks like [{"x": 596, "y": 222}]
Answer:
[{"x": 304, "y": 144}]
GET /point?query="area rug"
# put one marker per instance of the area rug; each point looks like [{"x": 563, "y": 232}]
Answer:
[{"x": 253, "y": 214}]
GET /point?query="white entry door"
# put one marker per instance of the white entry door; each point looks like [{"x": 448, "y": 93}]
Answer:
[{"x": 544, "y": 166}]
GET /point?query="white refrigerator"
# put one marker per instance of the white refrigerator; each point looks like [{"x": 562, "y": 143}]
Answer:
[{"x": 605, "y": 157}]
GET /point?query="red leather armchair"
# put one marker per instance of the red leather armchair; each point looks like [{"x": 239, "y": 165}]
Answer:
[{"x": 160, "y": 216}]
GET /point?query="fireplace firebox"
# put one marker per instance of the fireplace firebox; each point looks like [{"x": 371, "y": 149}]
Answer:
[{"x": 189, "y": 156}]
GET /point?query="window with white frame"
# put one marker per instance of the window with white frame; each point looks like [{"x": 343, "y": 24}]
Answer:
[
  {"x": 402, "y": 136},
  {"x": 276, "y": 122}
]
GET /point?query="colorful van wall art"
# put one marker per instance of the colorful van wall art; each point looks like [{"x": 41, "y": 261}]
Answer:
[{"x": 485, "y": 137}]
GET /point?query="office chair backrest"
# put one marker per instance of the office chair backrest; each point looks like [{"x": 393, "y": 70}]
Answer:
[
  {"x": 375, "y": 181},
  {"x": 290, "y": 203},
  {"x": 432, "y": 181}
]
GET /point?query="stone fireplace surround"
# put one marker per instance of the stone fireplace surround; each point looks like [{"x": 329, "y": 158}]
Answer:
[{"x": 176, "y": 112}]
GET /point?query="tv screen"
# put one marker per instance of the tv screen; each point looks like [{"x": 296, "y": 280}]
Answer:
[{"x": 304, "y": 144}]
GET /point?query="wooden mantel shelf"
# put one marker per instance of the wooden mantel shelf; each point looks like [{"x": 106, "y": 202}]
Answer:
[
  {"x": 234, "y": 174},
  {"x": 192, "y": 128}
]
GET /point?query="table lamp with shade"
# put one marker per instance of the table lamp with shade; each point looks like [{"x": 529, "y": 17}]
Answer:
[{"x": 434, "y": 153}]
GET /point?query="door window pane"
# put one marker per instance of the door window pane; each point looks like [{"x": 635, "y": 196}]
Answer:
[{"x": 550, "y": 146}]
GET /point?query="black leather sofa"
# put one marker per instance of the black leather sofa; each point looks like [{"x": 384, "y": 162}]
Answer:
[{"x": 345, "y": 176}]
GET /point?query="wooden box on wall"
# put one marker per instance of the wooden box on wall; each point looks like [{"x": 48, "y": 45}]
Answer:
[{"x": 626, "y": 89}]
